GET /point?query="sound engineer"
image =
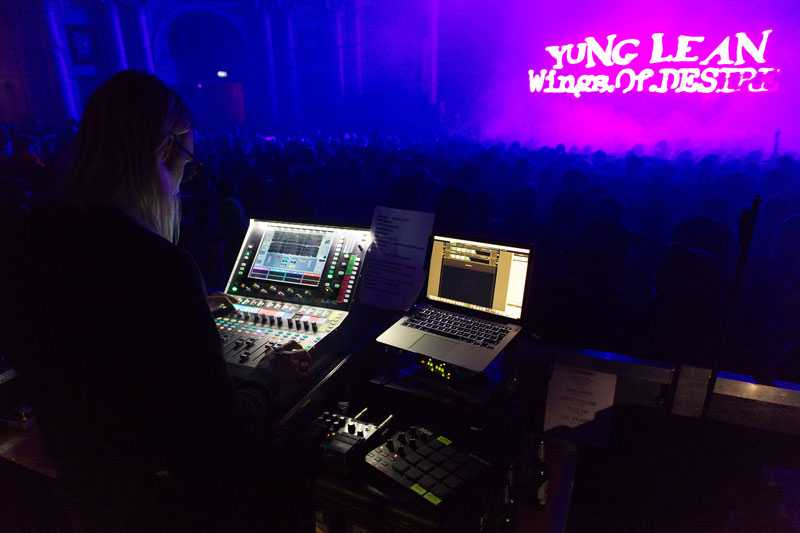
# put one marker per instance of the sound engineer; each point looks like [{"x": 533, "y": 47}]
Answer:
[{"x": 127, "y": 370}]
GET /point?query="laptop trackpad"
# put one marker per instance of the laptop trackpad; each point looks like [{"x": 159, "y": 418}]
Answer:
[
  {"x": 435, "y": 345},
  {"x": 400, "y": 337}
]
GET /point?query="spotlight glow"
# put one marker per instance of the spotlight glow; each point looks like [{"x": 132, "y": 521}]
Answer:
[{"x": 222, "y": 73}]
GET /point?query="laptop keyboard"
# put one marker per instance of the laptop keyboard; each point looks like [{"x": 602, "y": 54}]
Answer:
[{"x": 456, "y": 326}]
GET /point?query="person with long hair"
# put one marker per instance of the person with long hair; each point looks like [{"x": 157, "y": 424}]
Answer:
[{"x": 123, "y": 357}]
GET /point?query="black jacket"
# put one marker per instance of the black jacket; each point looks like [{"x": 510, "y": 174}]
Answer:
[{"x": 121, "y": 353}]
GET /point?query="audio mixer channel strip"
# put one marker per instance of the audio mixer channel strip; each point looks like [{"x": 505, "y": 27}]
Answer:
[
  {"x": 293, "y": 282},
  {"x": 257, "y": 326}
]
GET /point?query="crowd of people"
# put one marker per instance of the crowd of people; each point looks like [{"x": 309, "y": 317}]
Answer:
[{"x": 634, "y": 253}]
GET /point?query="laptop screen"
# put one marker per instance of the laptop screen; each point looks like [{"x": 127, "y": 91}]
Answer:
[{"x": 479, "y": 276}]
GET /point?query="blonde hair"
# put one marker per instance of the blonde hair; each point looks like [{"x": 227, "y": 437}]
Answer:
[{"x": 123, "y": 133}]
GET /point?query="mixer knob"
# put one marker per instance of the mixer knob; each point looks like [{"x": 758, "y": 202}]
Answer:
[
  {"x": 244, "y": 357},
  {"x": 263, "y": 319},
  {"x": 271, "y": 320},
  {"x": 280, "y": 322},
  {"x": 306, "y": 325},
  {"x": 297, "y": 323},
  {"x": 351, "y": 428},
  {"x": 290, "y": 290},
  {"x": 281, "y": 293},
  {"x": 273, "y": 288},
  {"x": 290, "y": 323},
  {"x": 314, "y": 326}
]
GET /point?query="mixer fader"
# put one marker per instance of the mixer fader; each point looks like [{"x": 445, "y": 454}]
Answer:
[{"x": 293, "y": 282}]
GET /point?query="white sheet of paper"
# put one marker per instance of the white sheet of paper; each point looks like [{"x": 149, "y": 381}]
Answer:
[
  {"x": 395, "y": 265},
  {"x": 576, "y": 395}
]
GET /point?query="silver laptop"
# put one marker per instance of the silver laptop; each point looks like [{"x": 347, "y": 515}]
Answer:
[{"x": 475, "y": 299}]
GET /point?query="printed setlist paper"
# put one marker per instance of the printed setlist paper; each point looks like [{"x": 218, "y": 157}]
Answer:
[{"x": 395, "y": 271}]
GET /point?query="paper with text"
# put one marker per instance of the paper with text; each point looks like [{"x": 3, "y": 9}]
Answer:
[
  {"x": 576, "y": 395},
  {"x": 395, "y": 269}
]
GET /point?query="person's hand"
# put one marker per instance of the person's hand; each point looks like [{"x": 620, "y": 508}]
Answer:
[
  {"x": 289, "y": 363},
  {"x": 219, "y": 299}
]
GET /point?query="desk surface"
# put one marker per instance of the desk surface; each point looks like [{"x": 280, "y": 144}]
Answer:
[{"x": 25, "y": 448}]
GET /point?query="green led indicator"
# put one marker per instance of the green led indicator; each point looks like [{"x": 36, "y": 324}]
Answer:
[
  {"x": 419, "y": 489},
  {"x": 444, "y": 440},
  {"x": 350, "y": 265},
  {"x": 234, "y": 289},
  {"x": 433, "y": 498}
]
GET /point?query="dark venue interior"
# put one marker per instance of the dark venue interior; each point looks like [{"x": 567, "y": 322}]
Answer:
[{"x": 362, "y": 266}]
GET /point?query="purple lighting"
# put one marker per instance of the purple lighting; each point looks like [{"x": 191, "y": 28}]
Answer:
[
  {"x": 434, "y": 91},
  {"x": 122, "y": 57},
  {"x": 148, "y": 49},
  {"x": 340, "y": 49},
  {"x": 63, "y": 69},
  {"x": 665, "y": 44}
]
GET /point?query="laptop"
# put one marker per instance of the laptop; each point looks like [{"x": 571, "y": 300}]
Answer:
[{"x": 474, "y": 304}]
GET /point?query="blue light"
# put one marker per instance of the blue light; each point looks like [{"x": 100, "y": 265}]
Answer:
[
  {"x": 736, "y": 377},
  {"x": 787, "y": 385},
  {"x": 622, "y": 358},
  {"x": 222, "y": 73}
]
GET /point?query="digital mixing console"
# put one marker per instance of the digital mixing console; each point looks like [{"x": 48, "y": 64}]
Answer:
[{"x": 293, "y": 282}]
